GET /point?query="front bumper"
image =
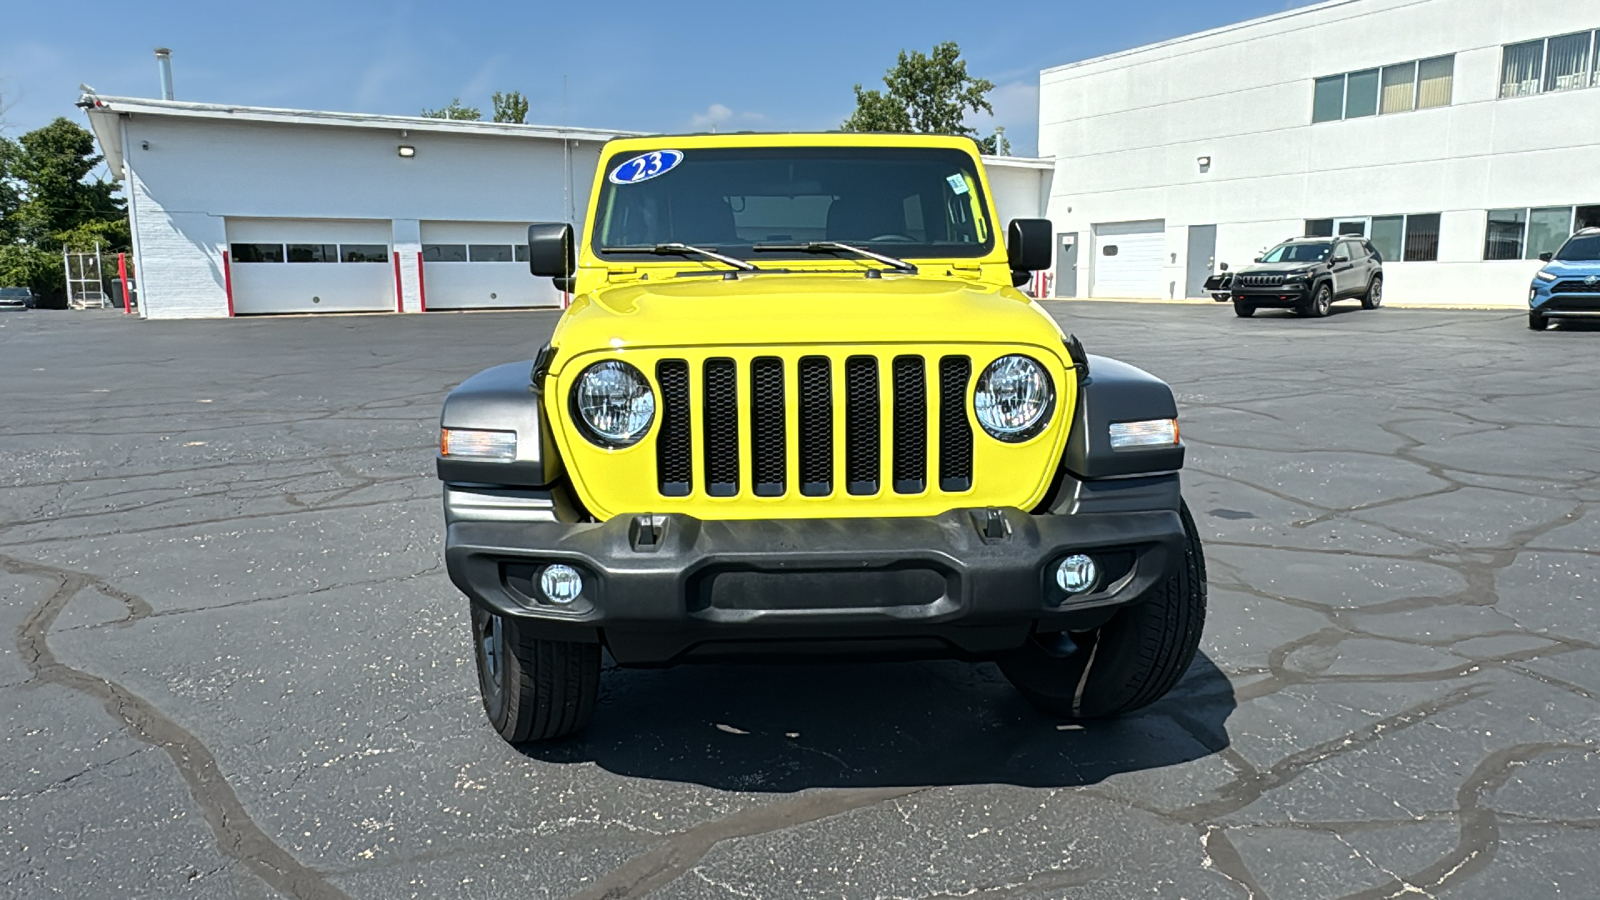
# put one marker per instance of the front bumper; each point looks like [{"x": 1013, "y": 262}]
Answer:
[
  {"x": 1279, "y": 296},
  {"x": 1542, "y": 299},
  {"x": 669, "y": 588}
]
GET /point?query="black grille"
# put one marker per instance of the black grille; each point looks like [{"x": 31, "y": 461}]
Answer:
[
  {"x": 862, "y": 436},
  {"x": 1259, "y": 280},
  {"x": 722, "y": 428},
  {"x": 768, "y": 459},
  {"x": 955, "y": 430},
  {"x": 910, "y": 425},
  {"x": 816, "y": 426},
  {"x": 1576, "y": 287},
  {"x": 674, "y": 465}
]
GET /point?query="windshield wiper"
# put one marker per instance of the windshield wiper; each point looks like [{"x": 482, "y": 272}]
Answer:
[
  {"x": 898, "y": 265},
  {"x": 677, "y": 249}
]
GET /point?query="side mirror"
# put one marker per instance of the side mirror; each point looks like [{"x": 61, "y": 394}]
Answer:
[
  {"x": 1546, "y": 257},
  {"x": 550, "y": 250},
  {"x": 1223, "y": 267},
  {"x": 1028, "y": 245},
  {"x": 1340, "y": 257}
]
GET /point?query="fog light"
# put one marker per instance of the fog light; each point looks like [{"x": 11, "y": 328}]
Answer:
[
  {"x": 561, "y": 584},
  {"x": 1077, "y": 573}
]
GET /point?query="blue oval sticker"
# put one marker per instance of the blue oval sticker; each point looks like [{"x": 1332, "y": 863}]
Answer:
[{"x": 646, "y": 166}]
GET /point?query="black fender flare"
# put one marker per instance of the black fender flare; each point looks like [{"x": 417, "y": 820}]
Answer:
[
  {"x": 502, "y": 398},
  {"x": 1114, "y": 391}
]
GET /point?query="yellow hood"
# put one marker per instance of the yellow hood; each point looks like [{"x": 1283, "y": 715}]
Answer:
[{"x": 798, "y": 308}]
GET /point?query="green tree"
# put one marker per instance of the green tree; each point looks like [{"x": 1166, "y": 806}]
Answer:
[
  {"x": 10, "y": 190},
  {"x": 454, "y": 111},
  {"x": 930, "y": 94},
  {"x": 511, "y": 107},
  {"x": 58, "y": 196}
]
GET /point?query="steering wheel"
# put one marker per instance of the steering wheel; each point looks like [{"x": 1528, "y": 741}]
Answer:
[{"x": 902, "y": 238}]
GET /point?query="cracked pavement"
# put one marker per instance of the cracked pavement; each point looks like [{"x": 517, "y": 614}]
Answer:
[{"x": 237, "y": 669}]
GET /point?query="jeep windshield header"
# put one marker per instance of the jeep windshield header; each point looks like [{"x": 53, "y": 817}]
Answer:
[
  {"x": 1308, "y": 251},
  {"x": 785, "y": 202}
]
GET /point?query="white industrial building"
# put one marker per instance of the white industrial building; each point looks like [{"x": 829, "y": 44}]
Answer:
[
  {"x": 242, "y": 211},
  {"x": 1458, "y": 135}
]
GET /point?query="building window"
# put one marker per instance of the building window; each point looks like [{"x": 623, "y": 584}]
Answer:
[
  {"x": 1319, "y": 228},
  {"x": 1435, "y": 81},
  {"x": 521, "y": 252},
  {"x": 444, "y": 252},
  {"x": 313, "y": 253},
  {"x": 1562, "y": 63},
  {"x": 363, "y": 253},
  {"x": 1422, "y": 238},
  {"x": 1361, "y": 94},
  {"x": 256, "y": 253},
  {"x": 1586, "y": 217},
  {"x": 489, "y": 252},
  {"x": 1548, "y": 229},
  {"x": 1503, "y": 240},
  {"x": 1328, "y": 106},
  {"x": 1403, "y": 87},
  {"x": 1389, "y": 236},
  {"x": 1399, "y": 88}
]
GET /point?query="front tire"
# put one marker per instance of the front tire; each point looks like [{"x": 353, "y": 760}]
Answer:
[
  {"x": 1373, "y": 298},
  {"x": 1243, "y": 310},
  {"x": 532, "y": 689},
  {"x": 1319, "y": 304},
  {"x": 1538, "y": 321},
  {"x": 1131, "y": 661}
]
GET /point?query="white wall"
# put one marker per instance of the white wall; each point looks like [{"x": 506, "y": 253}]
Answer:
[
  {"x": 1127, "y": 131},
  {"x": 196, "y": 173}
]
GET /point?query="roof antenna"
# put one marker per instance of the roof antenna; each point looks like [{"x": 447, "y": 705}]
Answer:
[{"x": 164, "y": 63}]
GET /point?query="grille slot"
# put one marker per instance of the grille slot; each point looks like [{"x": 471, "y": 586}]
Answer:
[
  {"x": 674, "y": 461},
  {"x": 910, "y": 425},
  {"x": 955, "y": 429},
  {"x": 1575, "y": 287},
  {"x": 816, "y": 426},
  {"x": 862, "y": 434},
  {"x": 769, "y": 457},
  {"x": 721, "y": 428}
]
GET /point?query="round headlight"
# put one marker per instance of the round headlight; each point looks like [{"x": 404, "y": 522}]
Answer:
[
  {"x": 613, "y": 403},
  {"x": 1014, "y": 398}
]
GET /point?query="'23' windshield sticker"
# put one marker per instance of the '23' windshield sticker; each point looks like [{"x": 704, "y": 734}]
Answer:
[{"x": 646, "y": 166}]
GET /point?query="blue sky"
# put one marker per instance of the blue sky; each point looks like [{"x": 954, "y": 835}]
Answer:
[{"x": 652, "y": 66}]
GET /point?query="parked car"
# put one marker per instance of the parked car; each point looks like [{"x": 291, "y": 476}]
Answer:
[
  {"x": 1308, "y": 275},
  {"x": 1220, "y": 285},
  {"x": 16, "y": 298},
  {"x": 798, "y": 409},
  {"x": 1568, "y": 287}
]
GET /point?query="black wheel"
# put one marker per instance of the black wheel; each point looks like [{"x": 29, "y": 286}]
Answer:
[
  {"x": 1538, "y": 321},
  {"x": 1373, "y": 298},
  {"x": 1319, "y": 304},
  {"x": 1243, "y": 310},
  {"x": 1131, "y": 661},
  {"x": 533, "y": 690}
]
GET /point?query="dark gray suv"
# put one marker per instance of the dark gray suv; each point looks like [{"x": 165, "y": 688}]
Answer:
[
  {"x": 1308, "y": 274},
  {"x": 16, "y": 298}
]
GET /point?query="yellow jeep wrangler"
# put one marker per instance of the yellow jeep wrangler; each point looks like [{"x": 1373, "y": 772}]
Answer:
[{"x": 798, "y": 408}]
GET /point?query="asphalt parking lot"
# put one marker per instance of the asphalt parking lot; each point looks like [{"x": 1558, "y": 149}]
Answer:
[{"x": 234, "y": 666}]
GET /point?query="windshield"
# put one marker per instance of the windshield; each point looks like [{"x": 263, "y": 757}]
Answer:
[
  {"x": 1297, "y": 253},
  {"x": 906, "y": 202},
  {"x": 1581, "y": 249}
]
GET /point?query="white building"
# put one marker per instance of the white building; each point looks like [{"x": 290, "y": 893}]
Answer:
[
  {"x": 238, "y": 210},
  {"x": 241, "y": 210},
  {"x": 1461, "y": 136}
]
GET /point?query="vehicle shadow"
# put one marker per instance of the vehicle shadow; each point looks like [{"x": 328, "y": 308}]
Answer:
[{"x": 787, "y": 728}]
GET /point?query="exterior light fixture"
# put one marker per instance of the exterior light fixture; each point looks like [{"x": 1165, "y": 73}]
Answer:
[
  {"x": 407, "y": 151},
  {"x": 1204, "y": 161}
]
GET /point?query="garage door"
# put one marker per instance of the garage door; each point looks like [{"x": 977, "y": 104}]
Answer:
[
  {"x": 1129, "y": 259},
  {"x": 480, "y": 265},
  {"x": 311, "y": 265}
]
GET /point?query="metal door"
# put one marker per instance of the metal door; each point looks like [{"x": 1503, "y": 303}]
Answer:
[
  {"x": 1202, "y": 258},
  {"x": 1067, "y": 264}
]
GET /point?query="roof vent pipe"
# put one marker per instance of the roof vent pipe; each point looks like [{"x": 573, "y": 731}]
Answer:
[{"x": 164, "y": 63}]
